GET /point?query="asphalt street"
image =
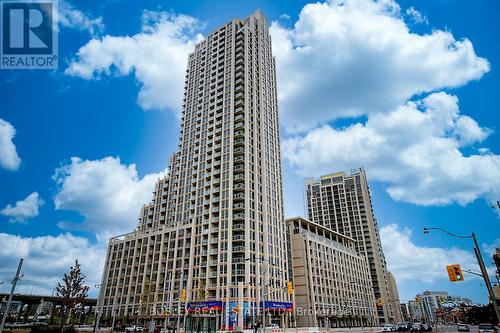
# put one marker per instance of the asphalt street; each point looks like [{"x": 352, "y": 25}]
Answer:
[{"x": 453, "y": 328}]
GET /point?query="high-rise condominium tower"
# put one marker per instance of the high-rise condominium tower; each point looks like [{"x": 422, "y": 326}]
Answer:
[
  {"x": 342, "y": 202},
  {"x": 212, "y": 242}
]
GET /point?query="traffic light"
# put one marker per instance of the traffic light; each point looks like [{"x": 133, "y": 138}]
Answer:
[
  {"x": 455, "y": 273},
  {"x": 183, "y": 294},
  {"x": 236, "y": 309},
  {"x": 380, "y": 302},
  {"x": 417, "y": 300},
  {"x": 441, "y": 299},
  {"x": 290, "y": 287}
]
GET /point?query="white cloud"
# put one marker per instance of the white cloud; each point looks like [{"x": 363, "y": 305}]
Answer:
[
  {"x": 415, "y": 149},
  {"x": 157, "y": 56},
  {"x": 23, "y": 209},
  {"x": 70, "y": 17},
  {"x": 285, "y": 17},
  {"x": 416, "y": 16},
  {"x": 356, "y": 57},
  {"x": 8, "y": 154},
  {"x": 107, "y": 193},
  {"x": 410, "y": 262},
  {"x": 47, "y": 258}
]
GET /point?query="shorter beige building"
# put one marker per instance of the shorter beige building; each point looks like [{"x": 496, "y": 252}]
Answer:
[
  {"x": 394, "y": 303},
  {"x": 332, "y": 284}
]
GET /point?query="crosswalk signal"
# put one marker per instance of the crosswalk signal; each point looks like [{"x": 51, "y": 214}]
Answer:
[
  {"x": 183, "y": 295},
  {"x": 290, "y": 287},
  {"x": 455, "y": 273}
]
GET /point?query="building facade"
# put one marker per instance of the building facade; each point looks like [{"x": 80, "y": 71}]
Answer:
[
  {"x": 394, "y": 303},
  {"x": 342, "y": 202},
  {"x": 211, "y": 243},
  {"x": 332, "y": 282},
  {"x": 430, "y": 303},
  {"x": 405, "y": 313}
]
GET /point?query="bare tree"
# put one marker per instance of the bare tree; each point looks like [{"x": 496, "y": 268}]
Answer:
[{"x": 73, "y": 290}]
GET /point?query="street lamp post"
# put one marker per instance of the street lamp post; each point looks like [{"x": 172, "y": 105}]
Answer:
[
  {"x": 264, "y": 284},
  {"x": 480, "y": 261}
]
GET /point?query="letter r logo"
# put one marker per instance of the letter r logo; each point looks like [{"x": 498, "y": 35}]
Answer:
[{"x": 27, "y": 27}]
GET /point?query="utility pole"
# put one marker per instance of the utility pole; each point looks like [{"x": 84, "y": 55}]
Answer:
[
  {"x": 17, "y": 277},
  {"x": 480, "y": 261},
  {"x": 486, "y": 277}
]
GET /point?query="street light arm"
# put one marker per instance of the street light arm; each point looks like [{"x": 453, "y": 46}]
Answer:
[
  {"x": 426, "y": 231},
  {"x": 473, "y": 273}
]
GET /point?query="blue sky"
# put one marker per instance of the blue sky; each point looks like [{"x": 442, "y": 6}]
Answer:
[{"x": 392, "y": 89}]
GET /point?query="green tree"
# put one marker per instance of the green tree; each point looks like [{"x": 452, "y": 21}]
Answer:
[{"x": 72, "y": 290}]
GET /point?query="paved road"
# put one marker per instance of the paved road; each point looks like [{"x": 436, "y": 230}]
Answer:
[{"x": 453, "y": 328}]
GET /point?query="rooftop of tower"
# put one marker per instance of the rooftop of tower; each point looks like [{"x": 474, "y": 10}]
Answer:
[
  {"x": 335, "y": 175},
  {"x": 258, "y": 14}
]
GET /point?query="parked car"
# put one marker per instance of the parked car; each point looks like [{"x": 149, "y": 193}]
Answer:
[
  {"x": 427, "y": 327},
  {"x": 134, "y": 328},
  {"x": 463, "y": 328},
  {"x": 403, "y": 326},
  {"x": 388, "y": 328},
  {"x": 486, "y": 328},
  {"x": 416, "y": 327},
  {"x": 273, "y": 326}
]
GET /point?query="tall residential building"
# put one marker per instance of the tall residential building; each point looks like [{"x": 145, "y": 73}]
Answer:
[
  {"x": 394, "y": 303},
  {"x": 212, "y": 242},
  {"x": 342, "y": 202},
  {"x": 332, "y": 282}
]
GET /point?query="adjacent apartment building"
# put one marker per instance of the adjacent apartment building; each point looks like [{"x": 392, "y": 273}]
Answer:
[
  {"x": 342, "y": 202},
  {"x": 427, "y": 305},
  {"x": 332, "y": 282},
  {"x": 209, "y": 252},
  {"x": 394, "y": 302}
]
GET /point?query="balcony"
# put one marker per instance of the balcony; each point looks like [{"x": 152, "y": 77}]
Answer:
[
  {"x": 240, "y": 248},
  {"x": 239, "y": 206},
  {"x": 239, "y": 187},
  {"x": 239, "y": 134},
  {"x": 239, "y": 216},
  {"x": 239, "y": 177},
  {"x": 239, "y": 151},
  {"x": 238, "y": 226},
  {"x": 238, "y": 237},
  {"x": 239, "y": 74},
  {"x": 239, "y": 96},
  {"x": 239, "y": 159},
  {"x": 239, "y": 88}
]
